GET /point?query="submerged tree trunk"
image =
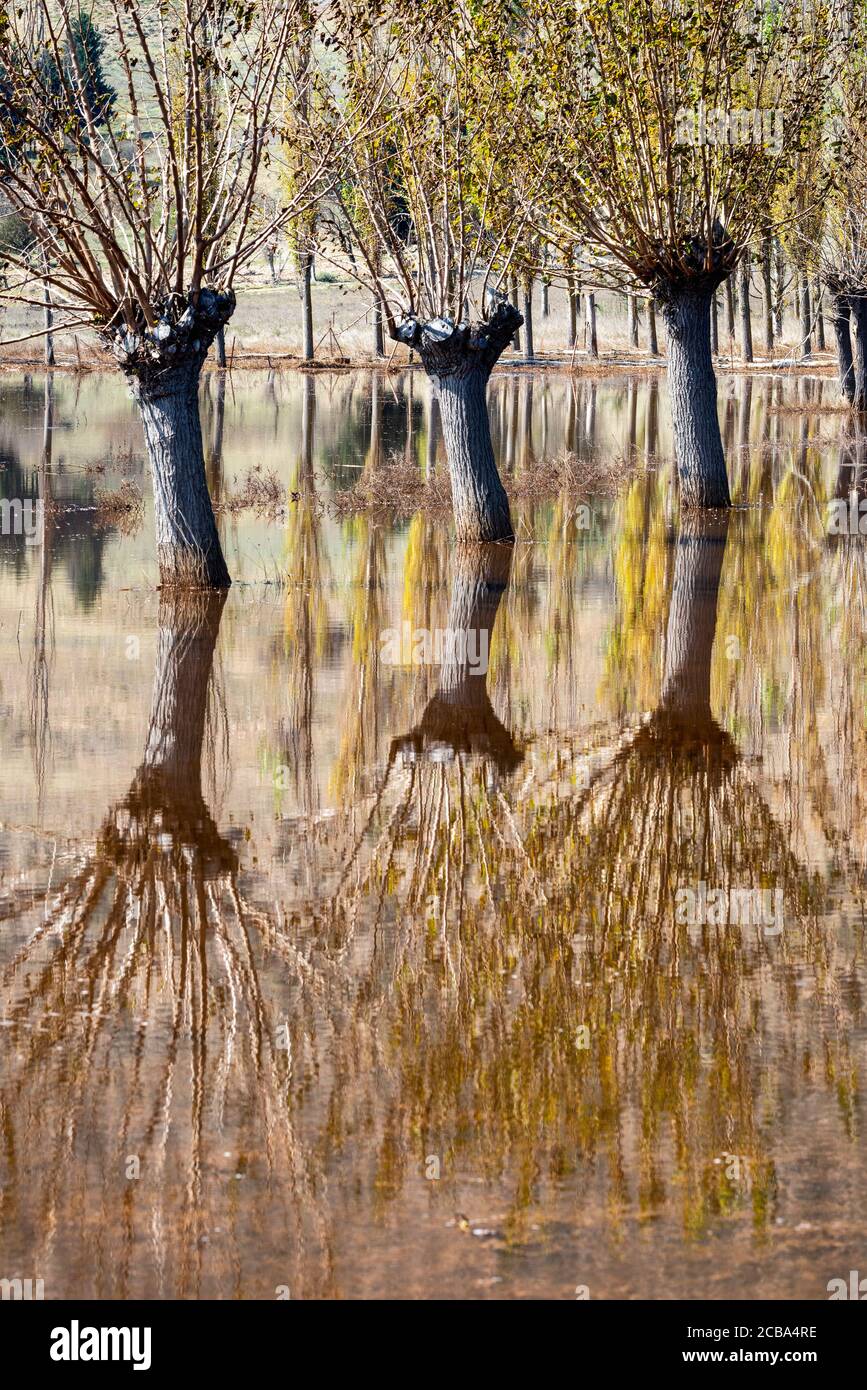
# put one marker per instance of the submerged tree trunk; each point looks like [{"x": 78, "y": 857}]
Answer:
[
  {"x": 163, "y": 366},
  {"x": 746, "y": 320},
  {"x": 692, "y": 385},
  {"x": 843, "y": 337},
  {"x": 592, "y": 342},
  {"x": 460, "y": 360},
  {"x": 858, "y": 319}
]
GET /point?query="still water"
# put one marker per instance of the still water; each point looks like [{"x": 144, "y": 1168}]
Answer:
[{"x": 328, "y": 973}]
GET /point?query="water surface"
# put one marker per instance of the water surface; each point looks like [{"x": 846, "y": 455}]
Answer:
[{"x": 337, "y": 977}]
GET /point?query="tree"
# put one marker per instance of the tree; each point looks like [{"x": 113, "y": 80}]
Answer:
[
  {"x": 144, "y": 231},
  {"x": 672, "y": 125},
  {"x": 444, "y": 70}
]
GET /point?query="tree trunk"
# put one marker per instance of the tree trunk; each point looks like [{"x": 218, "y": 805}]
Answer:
[
  {"x": 653, "y": 343},
  {"x": 730, "y": 311},
  {"x": 820, "y": 317},
  {"x": 162, "y": 364},
  {"x": 840, "y": 323},
  {"x": 780, "y": 270},
  {"x": 188, "y": 546},
  {"x": 714, "y": 324},
  {"x": 632, "y": 314},
  {"x": 49, "y": 322},
  {"x": 692, "y": 619},
  {"x": 692, "y": 384},
  {"x": 378, "y": 339},
  {"x": 767, "y": 293},
  {"x": 806, "y": 319},
  {"x": 460, "y": 361},
  {"x": 516, "y": 336},
  {"x": 574, "y": 300},
  {"x": 746, "y": 320},
  {"x": 529, "y": 345},
  {"x": 546, "y": 297},
  {"x": 430, "y": 443},
  {"x": 220, "y": 347},
  {"x": 307, "y": 351},
  {"x": 592, "y": 343},
  {"x": 858, "y": 320}
]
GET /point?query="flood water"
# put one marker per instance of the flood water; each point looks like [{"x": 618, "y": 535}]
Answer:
[{"x": 329, "y": 972}]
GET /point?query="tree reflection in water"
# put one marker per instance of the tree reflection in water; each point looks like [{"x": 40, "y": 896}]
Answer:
[{"x": 415, "y": 977}]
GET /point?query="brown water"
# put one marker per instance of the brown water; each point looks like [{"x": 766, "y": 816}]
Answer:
[{"x": 337, "y": 977}]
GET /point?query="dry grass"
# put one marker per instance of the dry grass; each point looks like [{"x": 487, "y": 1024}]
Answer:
[
  {"x": 397, "y": 488},
  {"x": 121, "y": 508},
  {"x": 259, "y": 491}
]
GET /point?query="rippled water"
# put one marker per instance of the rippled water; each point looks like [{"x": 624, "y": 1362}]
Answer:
[{"x": 327, "y": 972}]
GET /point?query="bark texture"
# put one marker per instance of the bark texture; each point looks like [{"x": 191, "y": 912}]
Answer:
[
  {"x": 692, "y": 384},
  {"x": 459, "y": 358},
  {"x": 162, "y": 364}
]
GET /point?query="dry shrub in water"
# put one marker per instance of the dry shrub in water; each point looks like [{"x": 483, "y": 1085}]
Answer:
[
  {"x": 398, "y": 488},
  {"x": 122, "y": 508},
  {"x": 263, "y": 492}
]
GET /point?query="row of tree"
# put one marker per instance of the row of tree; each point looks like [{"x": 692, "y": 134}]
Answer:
[{"x": 448, "y": 154}]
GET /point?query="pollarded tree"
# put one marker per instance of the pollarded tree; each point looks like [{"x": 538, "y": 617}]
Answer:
[
  {"x": 672, "y": 125},
  {"x": 442, "y": 69},
  {"x": 145, "y": 219}
]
